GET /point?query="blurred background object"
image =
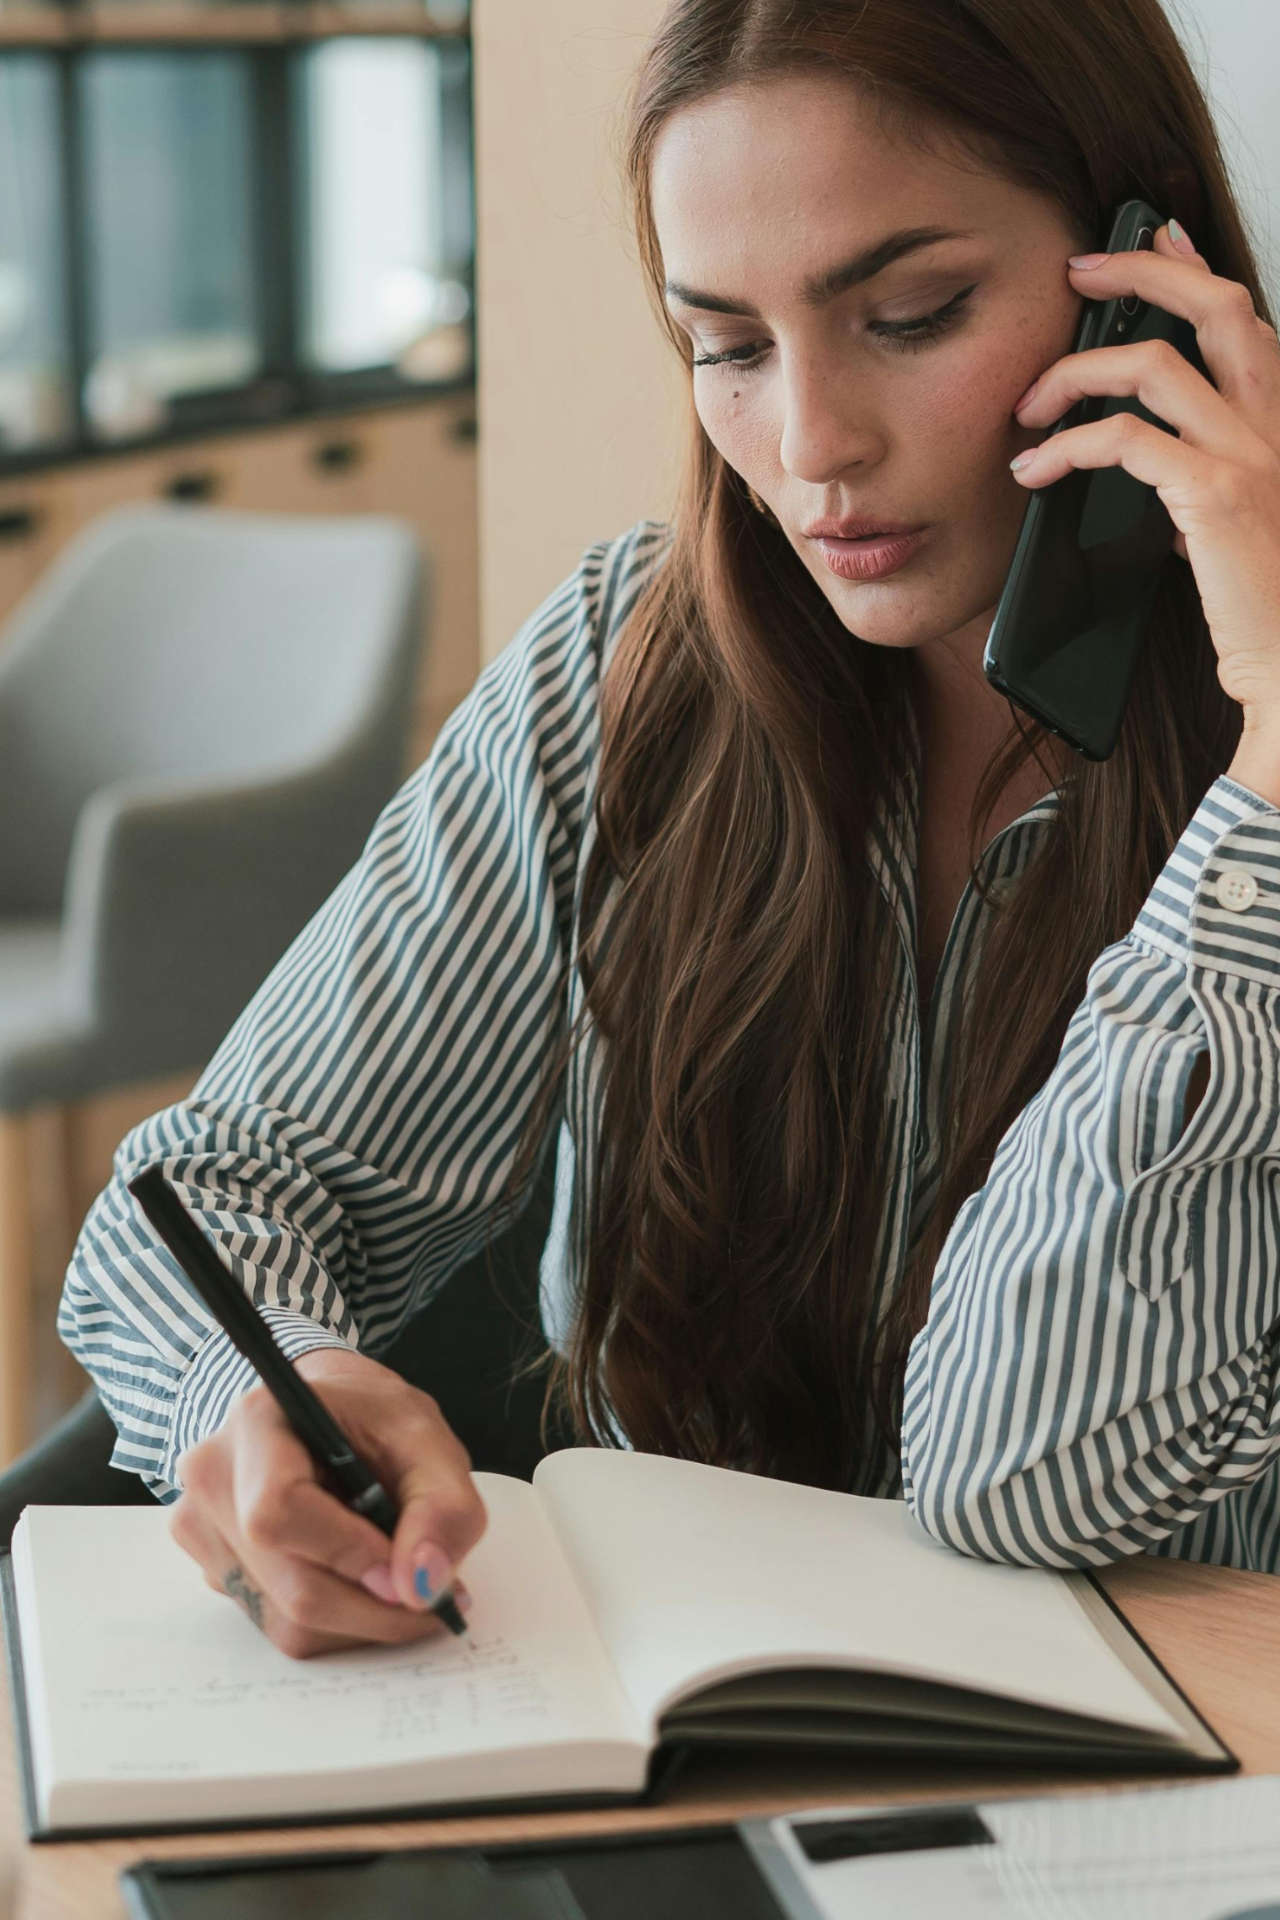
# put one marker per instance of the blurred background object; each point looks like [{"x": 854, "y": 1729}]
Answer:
[
  {"x": 201, "y": 715},
  {"x": 169, "y": 280},
  {"x": 387, "y": 256},
  {"x": 237, "y": 249},
  {"x": 583, "y": 403},
  {"x": 237, "y": 292},
  {"x": 35, "y": 396}
]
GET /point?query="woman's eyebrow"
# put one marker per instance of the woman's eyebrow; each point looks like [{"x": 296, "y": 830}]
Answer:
[{"x": 821, "y": 287}]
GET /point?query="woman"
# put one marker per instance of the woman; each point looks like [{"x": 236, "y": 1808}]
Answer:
[{"x": 869, "y": 1173}]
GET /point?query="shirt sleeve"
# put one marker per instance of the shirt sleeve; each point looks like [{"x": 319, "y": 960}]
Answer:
[
  {"x": 349, "y": 1143},
  {"x": 1099, "y": 1363}
]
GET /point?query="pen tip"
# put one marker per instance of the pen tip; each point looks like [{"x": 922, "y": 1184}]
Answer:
[{"x": 450, "y": 1612}]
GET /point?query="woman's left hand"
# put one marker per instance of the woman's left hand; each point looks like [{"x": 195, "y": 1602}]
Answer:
[{"x": 1220, "y": 481}]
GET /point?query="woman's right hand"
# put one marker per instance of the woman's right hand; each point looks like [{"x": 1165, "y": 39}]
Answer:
[{"x": 313, "y": 1574}]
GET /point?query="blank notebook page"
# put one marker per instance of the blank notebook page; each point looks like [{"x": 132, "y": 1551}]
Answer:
[{"x": 691, "y": 1568}]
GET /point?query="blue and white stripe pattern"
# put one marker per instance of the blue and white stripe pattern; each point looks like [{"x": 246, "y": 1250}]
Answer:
[
  {"x": 1097, "y": 1376},
  {"x": 1098, "y": 1373}
]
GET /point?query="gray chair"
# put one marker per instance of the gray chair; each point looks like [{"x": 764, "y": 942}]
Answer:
[{"x": 201, "y": 714}]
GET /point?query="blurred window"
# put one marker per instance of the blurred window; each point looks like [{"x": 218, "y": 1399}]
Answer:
[
  {"x": 386, "y": 231},
  {"x": 171, "y": 304},
  {"x": 245, "y": 232},
  {"x": 35, "y": 379}
]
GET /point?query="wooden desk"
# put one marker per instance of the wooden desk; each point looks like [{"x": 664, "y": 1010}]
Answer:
[{"x": 1217, "y": 1631}]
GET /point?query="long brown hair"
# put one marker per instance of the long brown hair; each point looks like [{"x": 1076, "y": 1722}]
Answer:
[{"x": 740, "y": 978}]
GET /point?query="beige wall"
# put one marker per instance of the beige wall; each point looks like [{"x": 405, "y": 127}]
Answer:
[{"x": 580, "y": 397}]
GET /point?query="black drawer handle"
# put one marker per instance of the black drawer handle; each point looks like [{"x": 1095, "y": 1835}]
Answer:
[
  {"x": 18, "y": 523},
  {"x": 338, "y": 456},
  {"x": 191, "y": 486}
]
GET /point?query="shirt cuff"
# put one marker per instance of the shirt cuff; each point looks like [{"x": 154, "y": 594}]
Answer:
[
  {"x": 1216, "y": 903},
  {"x": 219, "y": 1374}
]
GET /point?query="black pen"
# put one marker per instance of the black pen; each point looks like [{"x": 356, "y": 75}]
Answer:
[{"x": 352, "y": 1478}]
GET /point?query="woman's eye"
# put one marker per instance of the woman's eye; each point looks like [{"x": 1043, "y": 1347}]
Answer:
[
  {"x": 729, "y": 358},
  {"x": 902, "y": 334},
  {"x": 911, "y": 333}
]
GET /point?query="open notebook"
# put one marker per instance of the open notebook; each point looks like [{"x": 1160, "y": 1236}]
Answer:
[{"x": 625, "y": 1606}]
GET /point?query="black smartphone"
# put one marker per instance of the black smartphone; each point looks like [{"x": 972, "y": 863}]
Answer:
[{"x": 1066, "y": 636}]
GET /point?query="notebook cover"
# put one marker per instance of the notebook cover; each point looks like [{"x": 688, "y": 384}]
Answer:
[
  {"x": 665, "y": 1763},
  {"x": 1229, "y": 1762}
]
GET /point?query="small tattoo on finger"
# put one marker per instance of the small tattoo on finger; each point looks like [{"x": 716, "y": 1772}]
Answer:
[{"x": 249, "y": 1597}]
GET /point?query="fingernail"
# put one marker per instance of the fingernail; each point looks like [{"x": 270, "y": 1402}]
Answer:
[
  {"x": 1023, "y": 460},
  {"x": 1028, "y": 395},
  {"x": 1087, "y": 260},
  {"x": 432, "y": 1575},
  {"x": 380, "y": 1584},
  {"x": 1178, "y": 235},
  {"x": 463, "y": 1595}
]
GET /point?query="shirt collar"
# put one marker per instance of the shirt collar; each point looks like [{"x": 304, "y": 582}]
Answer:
[{"x": 894, "y": 837}]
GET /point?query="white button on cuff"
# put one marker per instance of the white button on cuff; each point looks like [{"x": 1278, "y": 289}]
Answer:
[{"x": 1236, "y": 888}]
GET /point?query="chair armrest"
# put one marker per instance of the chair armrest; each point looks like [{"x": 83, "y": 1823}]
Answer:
[
  {"x": 180, "y": 900},
  {"x": 33, "y": 835}
]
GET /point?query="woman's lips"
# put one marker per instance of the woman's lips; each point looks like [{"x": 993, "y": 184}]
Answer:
[{"x": 872, "y": 558}]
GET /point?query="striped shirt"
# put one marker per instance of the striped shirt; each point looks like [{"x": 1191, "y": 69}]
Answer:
[{"x": 1097, "y": 1375}]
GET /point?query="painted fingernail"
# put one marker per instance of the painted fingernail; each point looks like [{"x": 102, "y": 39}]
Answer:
[
  {"x": 432, "y": 1575},
  {"x": 380, "y": 1584},
  {"x": 1087, "y": 260},
  {"x": 1178, "y": 235},
  {"x": 1023, "y": 460},
  {"x": 1028, "y": 396}
]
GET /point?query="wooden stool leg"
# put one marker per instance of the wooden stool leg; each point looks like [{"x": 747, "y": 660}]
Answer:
[
  {"x": 17, "y": 1281},
  {"x": 68, "y": 1379}
]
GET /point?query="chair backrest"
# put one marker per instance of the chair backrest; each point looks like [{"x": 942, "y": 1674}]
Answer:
[{"x": 197, "y": 643}]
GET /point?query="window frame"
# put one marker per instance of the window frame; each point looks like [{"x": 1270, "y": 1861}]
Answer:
[{"x": 284, "y": 389}]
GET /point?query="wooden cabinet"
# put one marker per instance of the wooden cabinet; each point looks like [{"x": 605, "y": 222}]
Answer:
[
  {"x": 417, "y": 462},
  {"x": 23, "y": 515},
  {"x": 429, "y": 463}
]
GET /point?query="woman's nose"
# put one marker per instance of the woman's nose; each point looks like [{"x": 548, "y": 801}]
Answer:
[{"x": 826, "y": 427}]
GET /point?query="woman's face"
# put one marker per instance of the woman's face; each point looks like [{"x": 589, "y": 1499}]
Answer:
[{"x": 757, "y": 191}]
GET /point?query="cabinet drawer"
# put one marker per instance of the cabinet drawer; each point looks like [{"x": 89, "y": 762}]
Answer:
[
  {"x": 422, "y": 466},
  {"x": 277, "y": 472}
]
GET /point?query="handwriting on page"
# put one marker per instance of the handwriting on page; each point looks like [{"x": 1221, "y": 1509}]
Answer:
[
  {"x": 489, "y": 1684},
  {"x": 398, "y": 1701}
]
